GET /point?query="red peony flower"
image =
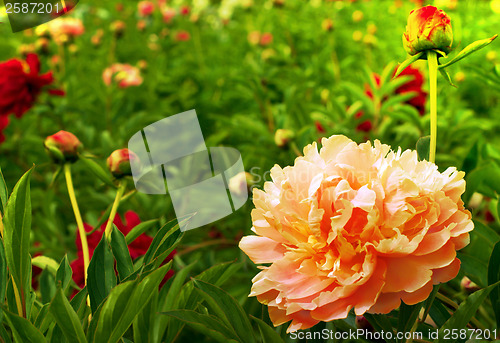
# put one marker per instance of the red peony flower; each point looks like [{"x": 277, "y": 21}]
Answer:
[
  {"x": 21, "y": 84},
  {"x": 137, "y": 248}
]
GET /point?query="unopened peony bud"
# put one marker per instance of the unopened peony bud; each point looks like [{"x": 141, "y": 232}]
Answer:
[
  {"x": 118, "y": 28},
  {"x": 469, "y": 286},
  {"x": 327, "y": 24},
  {"x": 282, "y": 137},
  {"x": 119, "y": 162},
  {"x": 63, "y": 146},
  {"x": 428, "y": 28},
  {"x": 240, "y": 183}
]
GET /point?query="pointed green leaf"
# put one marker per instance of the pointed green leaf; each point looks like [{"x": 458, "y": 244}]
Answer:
[
  {"x": 206, "y": 324},
  {"x": 469, "y": 49},
  {"x": 494, "y": 277},
  {"x": 100, "y": 274},
  {"x": 423, "y": 146},
  {"x": 227, "y": 309},
  {"x": 66, "y": 318},
  {"x": 164, "y": 241},
  {"x": 47, "y": 286},
  {"x": 17, "y": 228},
  {"x": 4, "y": 193},
  {"x": 408, "y": 314},
  {"x": 124, "y": 303},
  {"x": 23, "y": 330},
  {"x": 3, "y": 276},
  {"x": 119, "y": 248},
  {"x": 380, "y": 322},
  {"x": 267, "y": 333},
  {"x": 407, "y": 62},
  {"x": 466, "y": 311},
  {"x": 140, "y": 229},
  {"x": 64, "y": 273},
  {"x": 447, "y": 77},
  {"x": 98, "y": 171}
]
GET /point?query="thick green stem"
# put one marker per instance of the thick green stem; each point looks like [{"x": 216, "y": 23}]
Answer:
[
  {"x": 79, "y": 221},
  {"x": 112, "y": 214},
  {"x": 433, "y": 65}
]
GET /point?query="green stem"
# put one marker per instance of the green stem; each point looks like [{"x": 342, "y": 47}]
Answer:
[
  {"x": 112, "y": 214},
  {"x": 433, "y": 65},
  {"x": 78, "y": 216}
]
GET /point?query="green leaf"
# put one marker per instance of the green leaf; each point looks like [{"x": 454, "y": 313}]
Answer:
[
  {"x": 98, "y": 171},
  {"x": 47, "y": 286},
  {"x": 188, "y": 299},
  {"x": 474, "y": 268},
  {"x": 101, "y": 276},
  {"x": 430, "y": 300},
  {"x": 124, "y": 303},
  {"x": 206, "y": 324},
  {"x": 64, "y": 273},
  {"x": 380, "y": 322},
  {"x": 139, "y": 230},
  {"x": 17, "y": 228},
  {"x": 4, "y": 193},
  {"x": 23, "y": 330},
  {"x": 44, "y": 319},
  {"x": 466, "y": 311},
  {"x": 423, "y": 146},
  {"x": 169, "y": 301},
  {"x": 145, "y": 323},
  {"x": 407, "y": 62},
  {"x": 66, "y": 318},
  {"x": 397, "y": 99},
  {"x": 493, "y": 278},
  {"x": 227, "y": 309},
  {"x": 164, "y": 241},
  {"x": 469, "y": 49},
  {"x": 119, "y": 248},
  {"x": 408, "y": 314},
  {"x": 44, "y": 262},
  {"x": 447, "y": 77},
  {"x": 268, "y": 334},
  {"x": 4, "y": 277}
]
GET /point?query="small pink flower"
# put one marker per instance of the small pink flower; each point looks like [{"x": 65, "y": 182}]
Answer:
[
  {"x": 182, "y": 36},
  {"x": 63, "y": 29},
  {"x": 124, "y": 75},
  {"x": 168, "y": 14},
  {"x": 145, "y": 8},
  {"x": 266, "y": 38},
  {"x": 185, "y": 10}
]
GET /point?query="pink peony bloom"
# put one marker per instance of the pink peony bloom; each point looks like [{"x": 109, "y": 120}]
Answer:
[
  {"x": 123, "y": 74},
  {"x": 145, "y": 8},
  {"x": 354, "y": 226},
  {"x": 64, "y": 29}
]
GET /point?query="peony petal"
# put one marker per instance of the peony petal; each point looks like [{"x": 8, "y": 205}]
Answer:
[{"x": 261, "y": 249}]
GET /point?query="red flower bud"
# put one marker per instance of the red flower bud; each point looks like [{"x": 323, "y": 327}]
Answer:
[
  {"x": 63, "y": 146},
  {"x": 119, "y": 162},
  {"x": 428, "y": 28}
]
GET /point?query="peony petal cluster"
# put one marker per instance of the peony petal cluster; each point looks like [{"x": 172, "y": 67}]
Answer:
[
  {"x": 124, "y": 75},
  {"x": 21, "y": 83},
  {"x": 354, "y": 227}
]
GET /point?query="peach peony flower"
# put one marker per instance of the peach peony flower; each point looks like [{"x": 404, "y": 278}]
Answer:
[
  {"x": 354, "y": 226},
  {"x": 123, "y": 74},
  {"x": 65, "y": 29}
]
